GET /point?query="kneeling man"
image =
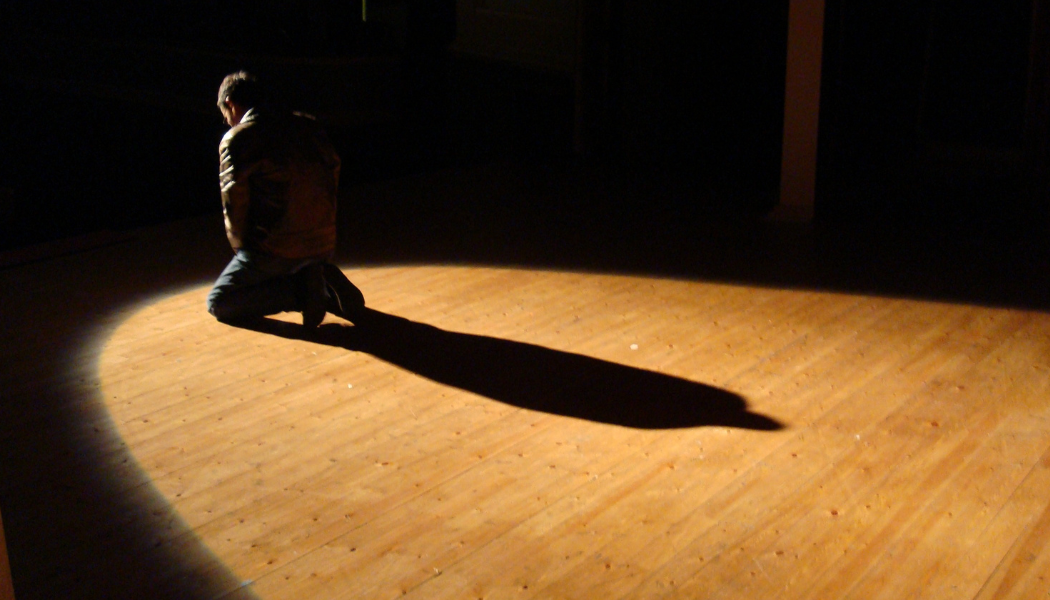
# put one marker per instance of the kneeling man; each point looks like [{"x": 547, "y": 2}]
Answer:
[{"x": 279, "y": 177}]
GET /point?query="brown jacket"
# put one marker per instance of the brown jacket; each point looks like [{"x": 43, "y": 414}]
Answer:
[{"x": 279, "y": 177}]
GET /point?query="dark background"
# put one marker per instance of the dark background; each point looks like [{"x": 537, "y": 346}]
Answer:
[{"x": 927, "y": 114}]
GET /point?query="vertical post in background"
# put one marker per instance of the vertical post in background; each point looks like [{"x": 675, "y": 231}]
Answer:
[{"x": 798, "y": 170}]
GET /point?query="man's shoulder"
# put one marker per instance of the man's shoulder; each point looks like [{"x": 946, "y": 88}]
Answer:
[
  {"x": 238, "y": 133},
  {"x": 306, "y": 122},
  {"x": 274, "y": 121}
]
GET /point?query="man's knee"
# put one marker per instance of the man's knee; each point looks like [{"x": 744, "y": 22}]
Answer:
[{"x": 217, "y": 307}]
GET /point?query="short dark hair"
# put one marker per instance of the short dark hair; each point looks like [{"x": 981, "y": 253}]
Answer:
[{"x": 243, "y": 88}]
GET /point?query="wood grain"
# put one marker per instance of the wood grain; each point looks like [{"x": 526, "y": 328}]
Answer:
[{"x": 911, "y": 459}]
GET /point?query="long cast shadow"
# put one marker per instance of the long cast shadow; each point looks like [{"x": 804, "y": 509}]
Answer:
[{"x": 534, "y": 377}]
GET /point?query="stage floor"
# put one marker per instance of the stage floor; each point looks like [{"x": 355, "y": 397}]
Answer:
[{"x": 535, "y": 423}]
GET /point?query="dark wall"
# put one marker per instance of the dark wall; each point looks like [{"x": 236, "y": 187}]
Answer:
[
  {"x": 976, "y": 72},
  {"x": 923, "y": 104},
  {"x": 703, "y": 91},
  {"x": 691, "y": 92},
  {"x": 75, "y": 164},
  {"x": 304, "y": 28},
  {"x": 922, "y": 115},
  {"x": 111, "y": 108}
]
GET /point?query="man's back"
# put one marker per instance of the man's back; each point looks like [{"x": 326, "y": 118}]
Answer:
[{"x": 279, "y": 177}]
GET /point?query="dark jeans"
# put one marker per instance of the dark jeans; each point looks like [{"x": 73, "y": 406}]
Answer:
[{"x": 256, "y": 285}]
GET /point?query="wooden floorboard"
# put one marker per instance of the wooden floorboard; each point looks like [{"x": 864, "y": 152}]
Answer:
[
  {"x": 898, "y": 417},
  {"x": 516, "y": 431}
]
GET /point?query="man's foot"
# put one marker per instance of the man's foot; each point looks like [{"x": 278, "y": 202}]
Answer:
[
  {"x": 345, "y": 300},
  {"x": 314, "y": 297}
]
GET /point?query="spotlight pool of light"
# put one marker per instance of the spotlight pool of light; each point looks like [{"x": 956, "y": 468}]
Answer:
[{"x": 500, "y": 413}]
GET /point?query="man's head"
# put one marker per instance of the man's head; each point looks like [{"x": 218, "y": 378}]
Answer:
[{"x": 239, "y": 92}]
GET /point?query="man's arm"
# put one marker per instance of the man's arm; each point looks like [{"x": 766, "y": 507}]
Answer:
[{"x": 233, "y": 183}]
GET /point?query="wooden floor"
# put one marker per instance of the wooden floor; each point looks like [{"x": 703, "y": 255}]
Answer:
[{"x": 516, "y": 430}]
